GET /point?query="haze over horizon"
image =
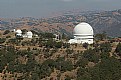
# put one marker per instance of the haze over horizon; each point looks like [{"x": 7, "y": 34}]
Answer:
[{"x": 42, "y": 8}]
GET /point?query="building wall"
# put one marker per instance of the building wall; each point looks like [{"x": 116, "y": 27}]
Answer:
[{"x": 81, "y": 40}]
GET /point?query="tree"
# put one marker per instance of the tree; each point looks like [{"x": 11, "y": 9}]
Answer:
[
  {"x": 45, "y": 70},
  {"x": 118, "y": 49},
  {"x": 58, "y": 44},
  {"x": 50, "y": 43},
  {"x": 82, "y": 74},
  {"x": 91, "y": 55},
  {"x": 69, "y": 51},
  {"x": 6, "y": 32},
  {"x": 101, "y": 36},
  {"x": 105, "y": 47},
  {"x": 2, "y": 40},
  {"x": 63, "y": 36},
  {"x": 7, "y": 58},
  {"x": 85, "y": 45},
  {"x": 66, "y": 45},
  {"x": 48, "y": 35},
  {"x": 68, "y": 78},
  {"x": 34, "y": 76},
  {"x": 82, "y": 62},
  {"x": 107, "y": 69},
  {"x": 31, "y": 64},
  {"x": 50, "y": 62},
  {"x": 63, "y": 65},
  {"x": 12, "y": 41},
  {"x": 104, "y": 55}
]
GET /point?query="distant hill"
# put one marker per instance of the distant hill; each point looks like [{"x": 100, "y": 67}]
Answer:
[{"x": 108, "y": 21}]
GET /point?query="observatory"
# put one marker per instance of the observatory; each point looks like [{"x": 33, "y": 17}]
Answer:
[
  {"x": 29, "y": 34},
  {"x": 83, "y": 33},
  {"x": 18, "y": 32}
]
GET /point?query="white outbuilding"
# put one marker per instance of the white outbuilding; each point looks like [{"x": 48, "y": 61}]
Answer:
[
  {"x": 29, "y": 34},
  {"x": 18, "y": 32},
  {"x": 83, "y": 33}
]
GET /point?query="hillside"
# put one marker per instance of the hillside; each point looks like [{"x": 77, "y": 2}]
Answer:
[
  {"x": 108, "y": 21},
  {"x": 44, "y": 58}
]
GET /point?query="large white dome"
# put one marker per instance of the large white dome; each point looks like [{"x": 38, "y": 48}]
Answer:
[{"x": 83, "y": 29}]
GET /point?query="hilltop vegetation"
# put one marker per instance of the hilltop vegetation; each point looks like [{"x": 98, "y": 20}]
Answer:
[{"x": 44, "y": 58}]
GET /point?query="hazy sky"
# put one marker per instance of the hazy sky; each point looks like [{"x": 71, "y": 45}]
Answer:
[{"x": 40, "y": 8}]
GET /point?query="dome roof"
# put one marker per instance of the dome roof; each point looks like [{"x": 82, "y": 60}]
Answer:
[
  {"x": 83, "y": 29},
  {"x": 19, "y": 31},
  {"x": 29, "y": 33}
]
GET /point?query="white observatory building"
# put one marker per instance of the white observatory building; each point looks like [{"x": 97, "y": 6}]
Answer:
[
  {"x": 83, "y": 33},
  {"x": 29, "y": 34},
  {"x": 18, "y": 32}
]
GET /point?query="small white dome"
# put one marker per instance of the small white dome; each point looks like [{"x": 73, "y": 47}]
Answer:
[
  {"x": 29, "y": 33},
  {"x": 83, "y": 29},
  {"x": 18, "y": 31}
]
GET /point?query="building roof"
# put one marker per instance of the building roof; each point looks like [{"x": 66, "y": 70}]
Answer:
[
  {"x": 29, "y": 33},
  {"x": 19, "y": 31},
  {"x": 83, "y": 29}
]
